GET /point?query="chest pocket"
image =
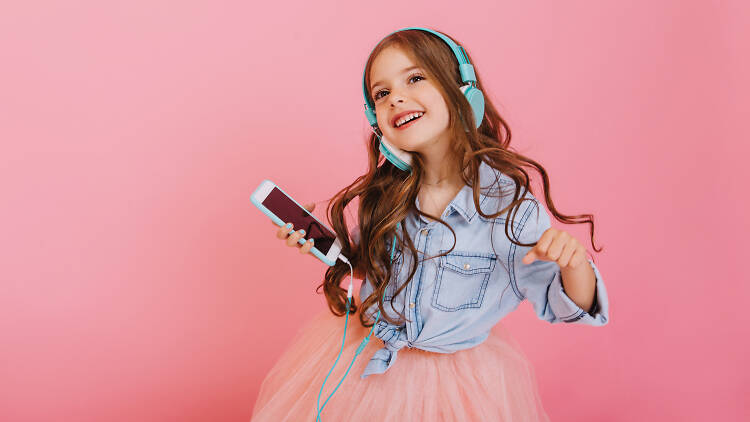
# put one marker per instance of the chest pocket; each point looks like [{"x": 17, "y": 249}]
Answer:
[{"x": 462, "y": 280}]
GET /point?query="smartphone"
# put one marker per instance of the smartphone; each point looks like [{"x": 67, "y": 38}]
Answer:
[{"x": 282, "y": 209}]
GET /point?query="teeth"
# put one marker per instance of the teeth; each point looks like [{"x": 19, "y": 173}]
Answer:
[{"x": 406, "y": 118}]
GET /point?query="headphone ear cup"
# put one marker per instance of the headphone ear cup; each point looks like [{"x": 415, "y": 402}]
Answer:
[
  {"x": 399, "y": 158},
  {"x": 475, "y": 97},
  {"x": 371, "y": 116}
]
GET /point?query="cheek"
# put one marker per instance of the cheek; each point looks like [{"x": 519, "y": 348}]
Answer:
[
  {"x": 382, "y": 124},
  {"x": 382, "y": 117},
  {"x": 440, "y": 111},
  {"x": 436, "y": 103}
]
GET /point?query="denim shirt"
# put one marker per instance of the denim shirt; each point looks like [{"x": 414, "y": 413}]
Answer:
[{"x": 453, "y": 301}]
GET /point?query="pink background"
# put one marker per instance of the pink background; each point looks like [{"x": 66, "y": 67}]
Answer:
[{"x": 139, "y": 283}]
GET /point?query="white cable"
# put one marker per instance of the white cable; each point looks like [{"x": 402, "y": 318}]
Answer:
[{"x": 351, "y": 277}]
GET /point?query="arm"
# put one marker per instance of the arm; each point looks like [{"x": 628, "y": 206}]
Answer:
[
  {"x": 541, "y": 282},
  {"x": 579, "y": 284}
]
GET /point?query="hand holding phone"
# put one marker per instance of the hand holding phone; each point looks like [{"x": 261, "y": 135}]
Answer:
[
  {"x": 282, "y": 209},
  {"x": 292, "y": 235}
]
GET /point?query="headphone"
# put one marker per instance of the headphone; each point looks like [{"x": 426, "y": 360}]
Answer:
[{"x": 402, "y": 159}]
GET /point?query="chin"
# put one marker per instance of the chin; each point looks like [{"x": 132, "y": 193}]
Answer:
[{"x": 420, "y": 145}]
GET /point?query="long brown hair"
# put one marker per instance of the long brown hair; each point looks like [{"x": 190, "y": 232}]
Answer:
[{"x": 388, "y": 194}]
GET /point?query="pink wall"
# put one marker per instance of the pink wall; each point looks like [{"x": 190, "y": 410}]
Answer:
[{"x": 138, "y": 282}]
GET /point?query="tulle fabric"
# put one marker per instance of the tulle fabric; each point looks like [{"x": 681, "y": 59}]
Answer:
[{"x": 490, "y": 382}]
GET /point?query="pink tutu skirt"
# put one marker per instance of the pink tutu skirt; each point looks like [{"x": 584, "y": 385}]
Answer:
[{"x": 490, "y": 382}]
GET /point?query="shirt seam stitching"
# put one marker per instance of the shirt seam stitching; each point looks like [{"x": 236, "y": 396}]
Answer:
[{"x": 511, "y": 255}]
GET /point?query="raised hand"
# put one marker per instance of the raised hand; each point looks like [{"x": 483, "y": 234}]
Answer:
[{"x": 558, "y": 246}]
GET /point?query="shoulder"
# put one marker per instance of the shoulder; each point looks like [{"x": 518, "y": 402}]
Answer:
[
  {"x": 528, "y": 218},
  {"x": 498, "y": 191}
]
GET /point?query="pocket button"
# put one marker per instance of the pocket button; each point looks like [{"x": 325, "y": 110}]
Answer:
[
  {"x": 412, "y": 305},
  {"x": 467, "y": 266}
]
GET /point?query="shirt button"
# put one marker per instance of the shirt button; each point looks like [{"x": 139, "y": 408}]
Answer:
[
  {"x": 412, "y": 305},
  {"x": 425, "y": 231},
  {"x": 467, "y": 266}
]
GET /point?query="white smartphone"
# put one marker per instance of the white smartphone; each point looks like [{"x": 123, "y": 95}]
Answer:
[{"x": 282, "y": 209}]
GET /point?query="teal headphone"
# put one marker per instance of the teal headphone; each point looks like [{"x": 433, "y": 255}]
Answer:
[
  {"x": 402, "y": 160},
  {"x": 474, "y": 96}
]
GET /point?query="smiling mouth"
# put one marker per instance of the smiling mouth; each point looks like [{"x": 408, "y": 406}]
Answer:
[{"x": 409, "y": 123}]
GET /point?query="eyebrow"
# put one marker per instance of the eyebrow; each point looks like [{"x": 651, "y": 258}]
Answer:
[{"x": 402, "y": 72}]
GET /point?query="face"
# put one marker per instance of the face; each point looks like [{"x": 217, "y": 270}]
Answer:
[{"x": 398, "y": 87}]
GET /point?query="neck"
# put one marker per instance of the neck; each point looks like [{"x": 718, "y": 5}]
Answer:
[
  {"x": 441, "y": 173},
  {"x": 439, "y": 166}
]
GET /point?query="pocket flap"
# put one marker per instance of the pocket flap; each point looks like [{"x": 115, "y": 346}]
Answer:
[{"x": 470, "y": 262}]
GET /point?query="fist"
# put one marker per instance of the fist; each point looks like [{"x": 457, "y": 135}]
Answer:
[{"x": 558, "y": 246}]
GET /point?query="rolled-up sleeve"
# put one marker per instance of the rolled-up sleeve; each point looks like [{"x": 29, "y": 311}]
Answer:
[{"x": 541, "y": 282}]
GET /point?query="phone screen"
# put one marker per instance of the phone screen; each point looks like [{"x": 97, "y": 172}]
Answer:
[{"x": 289, "y": 212}]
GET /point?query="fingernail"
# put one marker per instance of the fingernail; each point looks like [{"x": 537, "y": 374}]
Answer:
[
  {"x": 312, "y": 240},
  {"x": 302, "y": 232},
  {"x": 288, "y": 225}
]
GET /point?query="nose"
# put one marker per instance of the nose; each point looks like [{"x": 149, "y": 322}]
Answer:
[{"x": 395, "y": 98}]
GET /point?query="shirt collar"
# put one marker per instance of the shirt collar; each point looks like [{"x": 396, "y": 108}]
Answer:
[{"x": 463, "y": 203}]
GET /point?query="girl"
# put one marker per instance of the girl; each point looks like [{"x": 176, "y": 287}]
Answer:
[{"x": 471, "y": 242}]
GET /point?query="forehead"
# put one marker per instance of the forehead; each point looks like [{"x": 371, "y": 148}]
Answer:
[{"x": 389, "y": 64}]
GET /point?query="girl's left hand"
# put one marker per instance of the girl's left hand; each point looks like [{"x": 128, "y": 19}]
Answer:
[{"x": 559, "y": 246}]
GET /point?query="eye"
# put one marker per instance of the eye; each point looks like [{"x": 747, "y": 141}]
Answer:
[
  {"x": 416, "y": 76},
  {"x": 377, "y": 94}
]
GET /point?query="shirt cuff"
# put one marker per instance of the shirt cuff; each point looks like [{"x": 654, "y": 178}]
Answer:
[{"x": 567, "y": 311}]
